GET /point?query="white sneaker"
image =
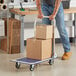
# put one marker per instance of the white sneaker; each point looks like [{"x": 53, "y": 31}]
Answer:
[{"x": 55, "y": 55}]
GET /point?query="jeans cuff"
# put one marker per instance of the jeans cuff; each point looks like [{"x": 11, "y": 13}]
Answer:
[{"x": 67, "y": 51}]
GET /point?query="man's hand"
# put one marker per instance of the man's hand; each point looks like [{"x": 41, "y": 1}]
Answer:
[
  {"x": 51, "y": 17},
  {"x": 40, "y": 15}
]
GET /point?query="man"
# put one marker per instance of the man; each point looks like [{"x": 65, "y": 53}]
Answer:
[{"x": 54, "y": 9}]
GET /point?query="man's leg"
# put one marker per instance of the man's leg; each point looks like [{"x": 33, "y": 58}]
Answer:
[{"x": 62, "y": 30}]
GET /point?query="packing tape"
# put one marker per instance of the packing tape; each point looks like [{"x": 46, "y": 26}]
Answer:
[{"x": 3, "y": 7}]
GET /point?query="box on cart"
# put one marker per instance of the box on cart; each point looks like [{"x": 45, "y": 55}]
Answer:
[
  {"x": 39, "y": 49},
  {"x": 44, "y": 31}
]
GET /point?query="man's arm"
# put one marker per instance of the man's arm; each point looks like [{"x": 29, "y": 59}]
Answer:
[
  {"x": 57, "y": 5},
  {"x": 39, "y": 8},
  {"x": 38, "y": 4}
]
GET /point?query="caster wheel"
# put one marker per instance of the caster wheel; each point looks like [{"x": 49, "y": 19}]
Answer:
[
  {"x": 17, "y": 65},
  {"x": 32, "y": 67},
  {"x": 51, "y": 62}
]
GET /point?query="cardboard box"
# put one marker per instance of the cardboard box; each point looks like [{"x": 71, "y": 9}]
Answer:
[
  {"x": 44, "y": 31},
  {"x": 15, "y": 32},
  {"x": 15, "y": 49},
  {"x": 3, "y": 44},
  {"x": 39, "y": 49},
  {"x": 2, "y": 30},
  {"x": 66, "y": 4},
  {"x": 14, "y": 35}
]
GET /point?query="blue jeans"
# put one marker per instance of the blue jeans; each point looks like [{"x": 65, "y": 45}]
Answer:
[{"x": 47, "y": 11}]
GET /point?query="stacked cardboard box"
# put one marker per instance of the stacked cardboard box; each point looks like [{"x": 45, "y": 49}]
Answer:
[
  {"x": 40, "y": 47},
  {"x": 3, "y": 44},
  {"x": 14, "y": 35},
  {"x": 44, "y": 31}
]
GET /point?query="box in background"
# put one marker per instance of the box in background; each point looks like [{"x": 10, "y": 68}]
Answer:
[
  {"x": 14, "y": 35},
  {"x": 39, "y": 49},
  {"x": 66, "y": 4},
  {"x": 44, "y": 31},
  {"x": 3, "y": 44},
  {"x": 15, "y": 49},
  {"x": 2, "y": 28}
]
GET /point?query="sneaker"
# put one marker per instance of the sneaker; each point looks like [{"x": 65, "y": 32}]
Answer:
[{"x": 66, "y": 55}]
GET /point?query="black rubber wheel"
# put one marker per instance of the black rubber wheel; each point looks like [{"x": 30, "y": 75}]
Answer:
[
  {"x": 51, "y": 61},
  {"x": 17, "y": 65},
  {"x": 32, "y": 67}
]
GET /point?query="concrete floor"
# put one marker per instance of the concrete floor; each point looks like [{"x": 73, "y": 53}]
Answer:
[{"x": 59, "y": 68}]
